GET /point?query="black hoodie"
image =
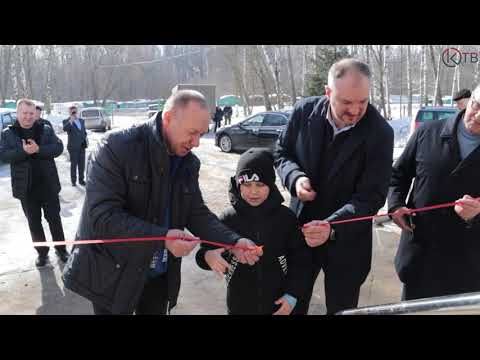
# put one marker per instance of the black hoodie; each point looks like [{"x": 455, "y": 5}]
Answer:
[{"x": 286, "y": 261}]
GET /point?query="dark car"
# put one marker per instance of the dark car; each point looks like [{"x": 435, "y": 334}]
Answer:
[
  {"x": 432, "y": 113},
  {"x": 7, "y": 117},
  {"x": 259, "y": 130}
]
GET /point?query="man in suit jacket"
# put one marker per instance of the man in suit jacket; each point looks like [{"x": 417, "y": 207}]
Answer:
[
  {"x": 335, "y": 158},
  {"x": 439, "y": 250},
  {"x": 77, "y": 143}
]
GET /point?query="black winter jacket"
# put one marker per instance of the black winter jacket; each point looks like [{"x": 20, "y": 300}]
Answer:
[
  {"x": 441, "y": 240},
  {"x": 284, "y": 266},
  {"x": 354, "y": 182},
  {"x": 125, "y": 197},
  {"x": 11, "y": 151}
]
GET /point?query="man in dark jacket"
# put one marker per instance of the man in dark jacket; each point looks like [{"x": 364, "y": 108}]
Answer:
[
  {"x": 217, "y": 118},
  {"x": 335, "y": 158},
  {"x": 38, "y": 116},
  {"x": 143, "y": 181},
  {"x": 439, "y": 250},
  {"x": 227, "y": 114},
  {"x": 461, "y": 98},
  {"x": 30, "y": 147},
  {"x": 77, "y": 143}
]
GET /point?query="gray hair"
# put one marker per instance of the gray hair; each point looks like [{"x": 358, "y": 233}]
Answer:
[
  {"x": 342, "y": 67},
  {"x": 181, "y": 98}
]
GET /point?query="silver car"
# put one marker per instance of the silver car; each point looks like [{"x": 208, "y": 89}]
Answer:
[{"x": 96, "y": 118}]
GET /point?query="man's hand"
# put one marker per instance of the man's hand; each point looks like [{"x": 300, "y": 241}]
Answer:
[
  {"x": 216, "y": 262},
  {"x": 30, "y": 146},
  {"x": 304, "y": 189},
  {"x": 179, "y": 247},
  {"x": 316, "y": 232},
  {"x": 249, "y": 257},
  {"x": 285, "y": 308},
  {"x": 398, "y": 218},
  {"x": 467, "y": 207}
]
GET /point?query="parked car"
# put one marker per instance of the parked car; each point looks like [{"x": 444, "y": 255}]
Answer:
[
  {"x": 259, "y": 130},
  {"x": 7, "y": 117},
  {"x": 96, "y": 118},
  {"x": 432, "y": 113}
]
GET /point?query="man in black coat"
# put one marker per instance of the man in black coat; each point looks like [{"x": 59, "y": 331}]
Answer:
[
  {"x": 143, "y": 181},
  {"x": 30, "y": 147},
  {"x": 77, "y": 143},
  {"x": 227, "y": 114},
  {"x": 217, "y": 118},
  {"x": 335, "y": 159},
  {"x": 439, "y": 250},
  {"x": 38, "y": 117}
]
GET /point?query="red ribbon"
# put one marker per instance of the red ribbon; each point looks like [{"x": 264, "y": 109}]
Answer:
[
  {"x": 228, "y": 246},
  {"x": 411, "y": 211},
  {"x": 140, "y": 239}
]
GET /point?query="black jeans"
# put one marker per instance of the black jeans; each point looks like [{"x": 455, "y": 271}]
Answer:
[
  {"x": 32, "y": 207},
  {"x": 153, "y": 301},
  {"x": 340, "y": 293},
  {"x": 77, "y": 160}
]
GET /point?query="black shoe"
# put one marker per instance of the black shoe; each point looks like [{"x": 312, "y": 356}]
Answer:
[
  {"x": 41, "y": 260},
  {"x": 73, "y": 184},
  {"x": 63, "y": 255},
  {"x": 81, "y": 182}
]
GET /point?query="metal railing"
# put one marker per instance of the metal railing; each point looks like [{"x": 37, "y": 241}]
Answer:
[{"x": 462, "y": 304}]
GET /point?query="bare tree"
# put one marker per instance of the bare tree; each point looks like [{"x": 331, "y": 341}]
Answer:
[
  {"x": 259, "y": 66},
  {"x": 386, "y": 79},
  {"x": 304, "y": 68},
  {"x": 424, "y": 75},
  {"x": 28, "y": 57},
  {"x": 292, "y": 78},
  {"x": 48, "y": 85},
  {"x": 232, "y": 55},
  {"x": 378, "y": 52},
  {"x": 272, "y": 59},
  {"x": 409, "y": 81},
  {"x": 5, "y": 60},
  {"x": 371, "y": 90},
  {"x": 18, "y": 76},
  {"x": 436, "y": 75}
]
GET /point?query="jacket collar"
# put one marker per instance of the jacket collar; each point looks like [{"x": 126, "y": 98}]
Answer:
[
  {"x": 450, "y": 126},
  {"x": 37, "y": 128},
  {"x": 155, "y": 132},
  {"x": 320, "y": 109}
]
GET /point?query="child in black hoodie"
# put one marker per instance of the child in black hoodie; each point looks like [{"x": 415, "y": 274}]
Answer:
[{"x": 276, "y": 282}]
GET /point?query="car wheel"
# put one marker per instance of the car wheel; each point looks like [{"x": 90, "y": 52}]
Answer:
[{"x": 225, "y": 143}]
